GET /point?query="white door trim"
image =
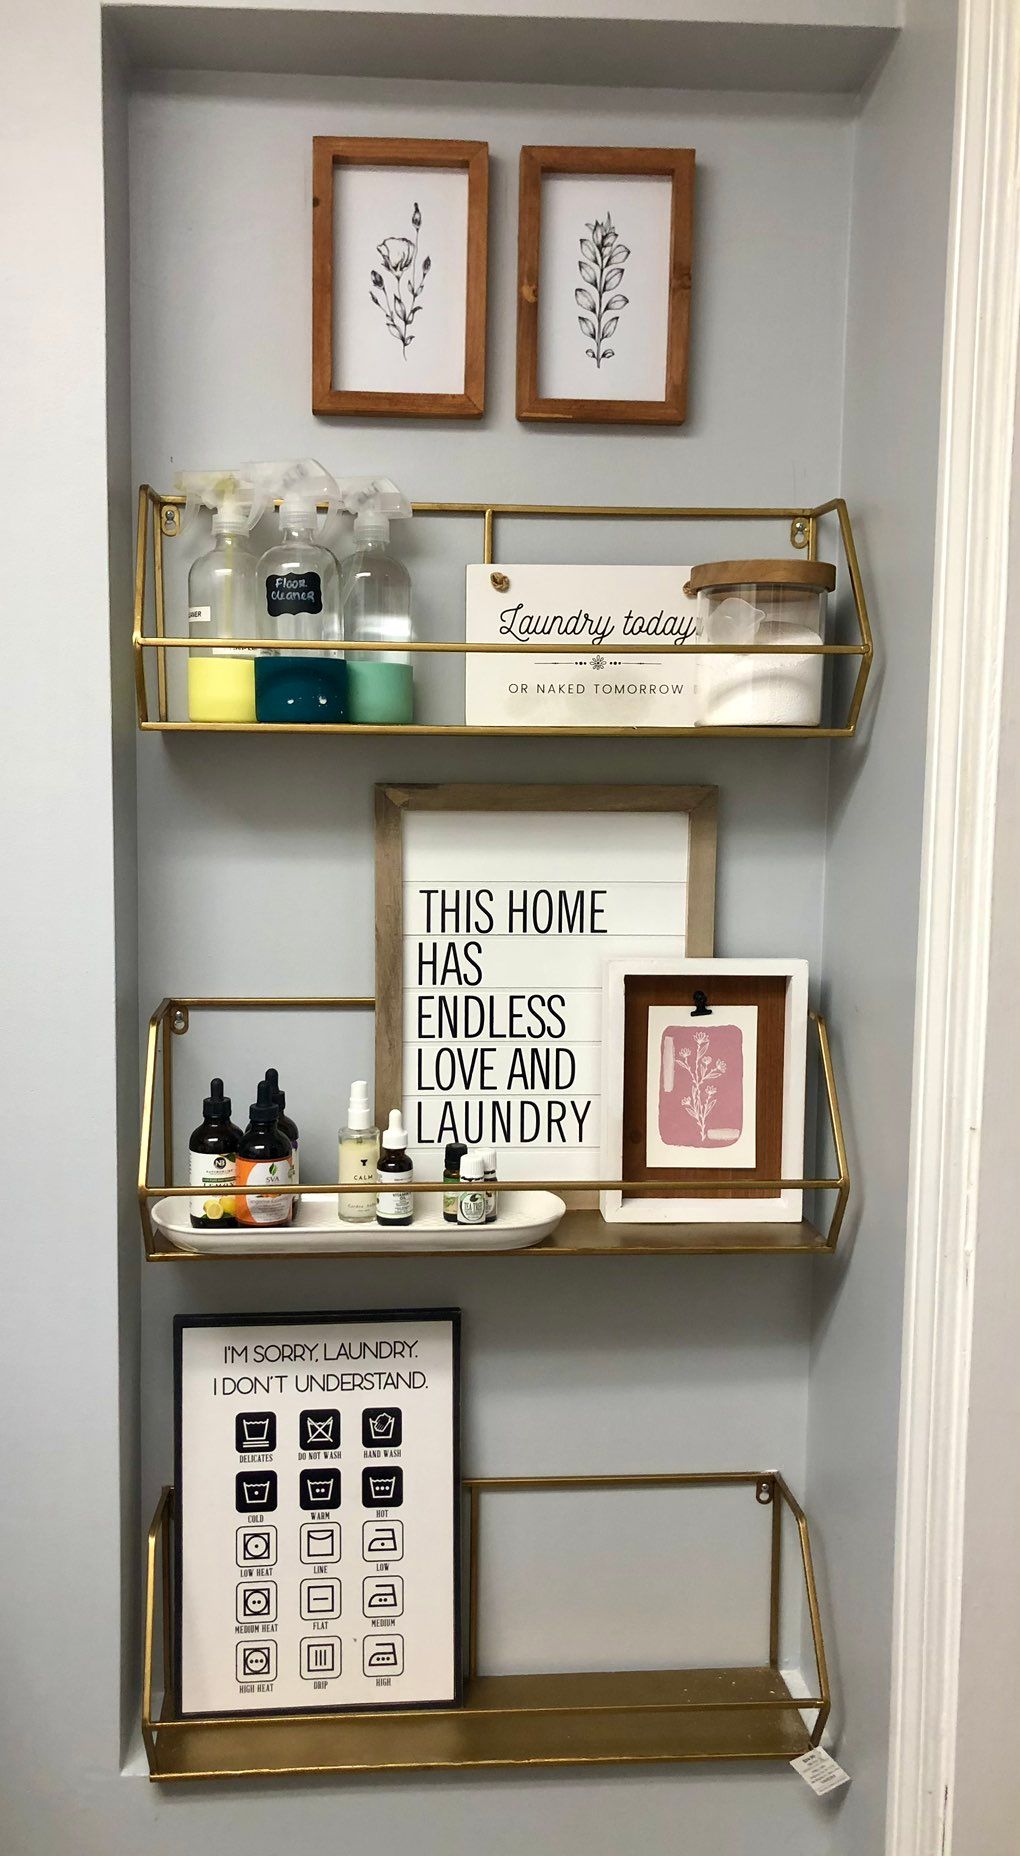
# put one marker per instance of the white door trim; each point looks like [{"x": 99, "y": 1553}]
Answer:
[{"x": 975, "y": 486}]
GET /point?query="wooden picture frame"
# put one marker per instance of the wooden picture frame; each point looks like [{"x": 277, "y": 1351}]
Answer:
[
  {"x": 398, "y": 291},
  {"x": 637, "y": 875},
  {"x": 638, "y": 999},
  {"x": 669, "y": 318}
]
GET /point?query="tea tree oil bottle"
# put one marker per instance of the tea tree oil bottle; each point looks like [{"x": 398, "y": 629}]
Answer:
[{"x": 471, "y": 1197}]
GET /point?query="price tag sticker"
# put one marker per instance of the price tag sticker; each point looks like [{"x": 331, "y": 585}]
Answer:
[{"x": 819, "y": 1770}]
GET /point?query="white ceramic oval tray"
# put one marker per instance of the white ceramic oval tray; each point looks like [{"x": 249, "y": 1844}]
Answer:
[{"x": 525, "y": 1218}]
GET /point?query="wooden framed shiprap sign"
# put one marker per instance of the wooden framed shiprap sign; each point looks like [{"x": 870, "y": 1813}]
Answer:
[
  {"x": 317, "y": 1512},
  {"x": 497, "y": 909}
]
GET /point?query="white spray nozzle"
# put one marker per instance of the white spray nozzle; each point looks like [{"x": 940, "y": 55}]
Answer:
[
  {"x": 235, "y": 500},
  {"x": 374, "y": 502},
  {"x": 359, "y": 1115},
  {"x": 300, "y": 485}
]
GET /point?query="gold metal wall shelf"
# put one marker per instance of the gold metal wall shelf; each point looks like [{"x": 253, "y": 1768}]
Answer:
[
  {"x": 159, "y": 520},
  {"x": 581, "y": 1233},
  {"x": 646, "y": 1716}
]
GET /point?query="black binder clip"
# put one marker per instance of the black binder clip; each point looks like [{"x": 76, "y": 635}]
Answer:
[{"x": 702, "y": 1009}]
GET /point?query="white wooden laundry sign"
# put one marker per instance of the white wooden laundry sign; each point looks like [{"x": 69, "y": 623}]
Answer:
[
  {"x": 604, "y": 607},
  {"x": 508, "y": 921}
]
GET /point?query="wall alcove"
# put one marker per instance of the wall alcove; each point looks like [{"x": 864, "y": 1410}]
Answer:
[{"x": 243, "y": 866}]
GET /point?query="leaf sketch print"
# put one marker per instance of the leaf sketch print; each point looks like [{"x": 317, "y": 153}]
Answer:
[
  {"x": 397, "y": 288},
  {"x": 601, "y": 265},
  {"x": 704, "y": 1071}
]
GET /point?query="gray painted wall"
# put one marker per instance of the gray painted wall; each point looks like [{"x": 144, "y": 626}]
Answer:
[{"x": 890, "y": 459}]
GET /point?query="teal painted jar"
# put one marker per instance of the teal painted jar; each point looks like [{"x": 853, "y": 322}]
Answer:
[
  {"x": 303, "y": 688},
  {"x": 379, "y": 689}
]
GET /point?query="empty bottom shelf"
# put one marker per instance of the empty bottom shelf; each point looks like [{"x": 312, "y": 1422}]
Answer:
[{"x": 545, "y": 1720}]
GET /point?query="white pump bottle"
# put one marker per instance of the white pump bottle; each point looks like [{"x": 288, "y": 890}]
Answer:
[{"x": 359, "y": 1158}]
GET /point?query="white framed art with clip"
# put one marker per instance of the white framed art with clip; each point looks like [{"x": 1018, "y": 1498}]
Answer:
[{"x": 703, "y": 1074}]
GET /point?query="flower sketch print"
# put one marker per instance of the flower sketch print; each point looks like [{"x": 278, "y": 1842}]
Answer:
[
  {"x": 601, "y": 265},
  {"x": 701, "y": 1086},
  {"x": 397, "y": 287}
]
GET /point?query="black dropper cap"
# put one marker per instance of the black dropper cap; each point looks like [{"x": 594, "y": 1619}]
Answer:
[
  {"x": 273, "y": 1080},
  {"x": 216, "y": 1106},
  {"x": 264, "y": 1111},
  {"x": 455, "y": 1152}
]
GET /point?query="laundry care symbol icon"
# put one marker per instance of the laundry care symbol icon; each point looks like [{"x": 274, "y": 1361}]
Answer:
[
  {"x": 382, "y": 1540},
  {"x": 319, "y": 1430},
  {"x": 256, "y": 1546},
  {"x": 382, "y": 1428},
  {"x": 383, "y": 1656},
  {"x": 320, "y": 1488},
  {"x": 382, "y": 1596},
  {"x": 321, "y": 1658},
  {"x": 254, "y": 1430},
  {"x": 256, "y": 1602},
  {"x": 256, "y": 1662},
  {"x": 382, "y": 1486},
  {"x": 255, "y": 1491},
  {"x": 320, "y": 1598},
  {"x": 320, "y": 1544}
]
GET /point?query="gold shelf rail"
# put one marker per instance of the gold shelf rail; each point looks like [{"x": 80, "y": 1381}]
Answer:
[
  {"x": 645, "y": 1716},
  {"x": 159, "y": 520},
  {"x": 580, "y": 1233}
]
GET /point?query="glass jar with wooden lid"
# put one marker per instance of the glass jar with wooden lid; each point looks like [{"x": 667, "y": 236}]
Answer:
[{"x": 762, "y": 602}]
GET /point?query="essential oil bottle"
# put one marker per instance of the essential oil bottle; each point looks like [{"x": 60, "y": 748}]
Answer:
[
  {"x": 264, "y": 1159},
  {"x": 491, "y": 1195},
  {"x": 455, "y": 1152},
  {"x": 471, "y": 1197},
  {"x": 213, "y": 1149},
  {"x": 395, "y": 1171},
  {"x": 287, "y": 1127}
]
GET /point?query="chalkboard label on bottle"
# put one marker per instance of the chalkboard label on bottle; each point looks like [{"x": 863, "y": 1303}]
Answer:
[{"x": 293, "y": 593}]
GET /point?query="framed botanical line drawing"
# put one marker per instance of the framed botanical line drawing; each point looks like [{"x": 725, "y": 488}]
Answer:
[
  {"x": 603, "y": 284},
  {"x": 703, "y": 1079},
  {"x": 497, "y": 908},
  {"x": 399, "y": 262}
]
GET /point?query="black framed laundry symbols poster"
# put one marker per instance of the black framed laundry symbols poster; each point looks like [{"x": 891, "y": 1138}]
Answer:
[{"x": 317, "y": 1511}]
